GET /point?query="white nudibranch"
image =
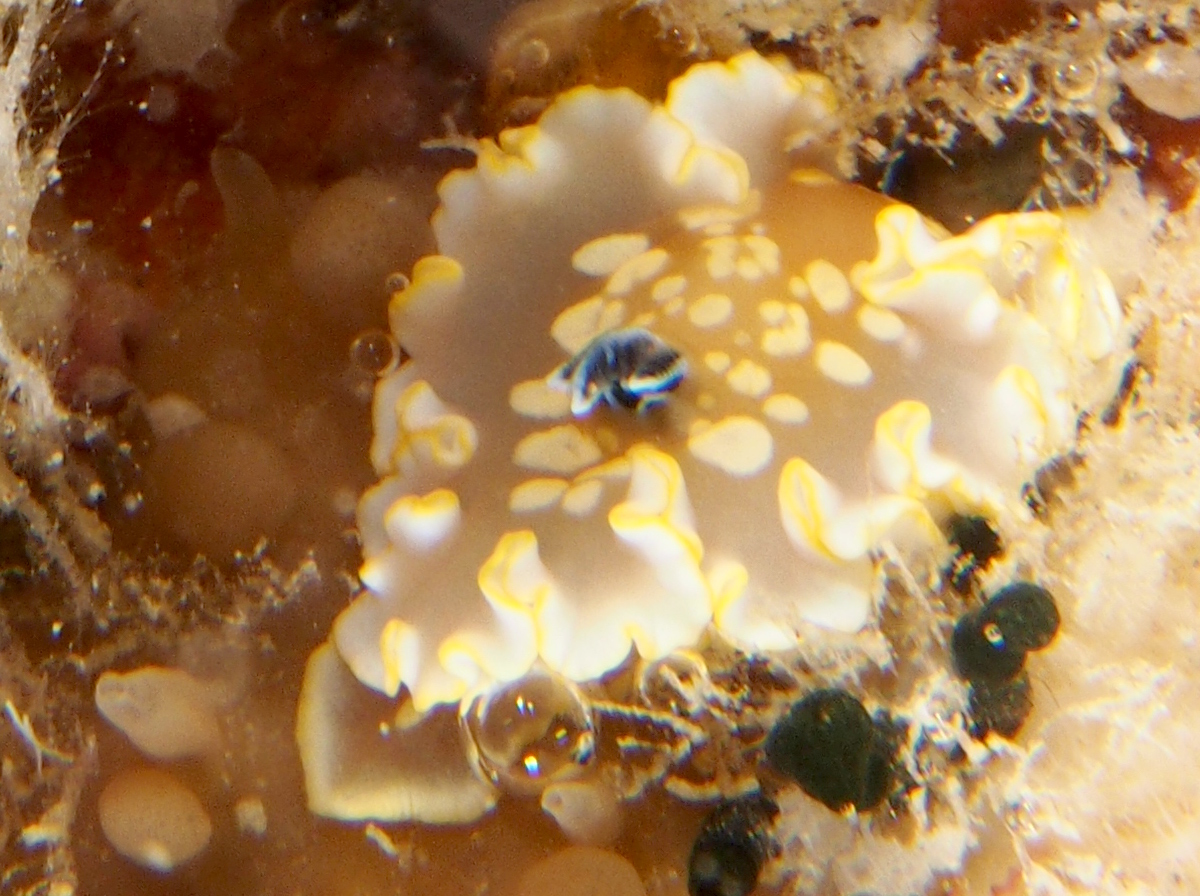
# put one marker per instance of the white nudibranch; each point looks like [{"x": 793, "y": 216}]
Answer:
[{"x": 854, "y": 375}]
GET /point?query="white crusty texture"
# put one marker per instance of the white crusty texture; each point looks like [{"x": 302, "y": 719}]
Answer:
[
  {"x": 1104, "y": 799},
  {"x": 854, "y": 374}
]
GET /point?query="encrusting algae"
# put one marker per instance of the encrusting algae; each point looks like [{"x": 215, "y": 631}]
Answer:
[{"x": 784, "y": 376}]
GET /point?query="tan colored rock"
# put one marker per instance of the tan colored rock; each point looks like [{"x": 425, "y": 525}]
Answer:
[
  {"x": 166, "y": 713},
  {"x": 581, "y": 871},
  {"x": 153, "y": 820}
]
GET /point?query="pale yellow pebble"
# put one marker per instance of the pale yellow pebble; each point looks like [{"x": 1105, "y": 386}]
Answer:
[
  {"x": 151, "y": 819},
  {"x": 583, "y": 498},
  {"x": 764, "y": 251},
  {"x": 166, "y": 713},
  {"x": 793, "y": 336},
  {"x": 536, "y": 494},
  {"x": 740, "y": 446},
  {"x": 637, "y": 270},
  {"x": 798, "y": 288},
  {"x": 580, "y": 323},
  {"x": 772, "y": 311},
  {"x": 721, "y": 261},
  {"x": 539, "y": 400}
]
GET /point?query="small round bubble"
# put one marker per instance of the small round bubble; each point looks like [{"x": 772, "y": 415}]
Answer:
[
  {"x": 533, "y": 732},
  {"x": 1004, "y": 85},
  {"x": 396, "y": 282},
  {"x": 1039, "y": 111},
  {"x": 375, "y": 353},
  {"x": 1076, "y": 79},
  {"x": 1081, "y": 179}
]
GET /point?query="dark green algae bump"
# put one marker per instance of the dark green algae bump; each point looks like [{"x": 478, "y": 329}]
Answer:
[
  {"x": 733, "y": 844},
  {"x": 835, "y": 751},
  {"x": 989, "y": 646}
]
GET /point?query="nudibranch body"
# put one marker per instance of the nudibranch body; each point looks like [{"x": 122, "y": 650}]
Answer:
[{"x": 854, "y": 376}]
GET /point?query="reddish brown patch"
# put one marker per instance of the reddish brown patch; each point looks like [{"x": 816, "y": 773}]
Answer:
[
  {"x": 316, "y": 100},
  {"x": 111, "y": 321},
  {"x": 309, "y": 97},
  {"x": 138, "y": 180},
  {"x": 618, "y": 45},
  {"x": 967, "y": 25},
  {"x": 1170, "y": 145}
]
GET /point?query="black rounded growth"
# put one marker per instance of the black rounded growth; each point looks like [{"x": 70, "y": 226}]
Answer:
[
  {"x": 975, "y": 538},
  {"x": 1001, "y": 708},
  {"x": 733, "y": 843},
  {"x": 981, "y": 651},
  {"x": 832, "y": 748},
  {"x": 1026, "y": 615}
]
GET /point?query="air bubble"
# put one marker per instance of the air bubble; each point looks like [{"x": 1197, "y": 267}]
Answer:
[
  {"x": 1082, "y": 180},
  {"x": 1039, "y": 111},
  {"x": 531, "y": 733},
  {"x": 375, "y": 353},
  {"x": 1004, "y": 86},
  {"x": 1076, "y": 80},
  {"x": 396, "y": 282}
]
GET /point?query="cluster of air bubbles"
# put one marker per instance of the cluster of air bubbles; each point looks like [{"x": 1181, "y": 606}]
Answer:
[
  {"x": 531, "y": 733},
  {"x": 1076, "y": 176},
  {"x": 1007, "y": 81}
]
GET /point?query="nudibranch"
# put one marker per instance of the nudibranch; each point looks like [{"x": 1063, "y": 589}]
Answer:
[{"x": 830, "y": 372}]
